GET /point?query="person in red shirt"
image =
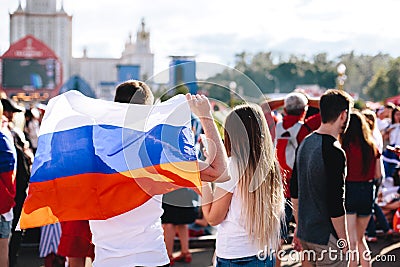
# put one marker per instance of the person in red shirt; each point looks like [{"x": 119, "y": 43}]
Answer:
[
  {"x": 295, "y": 107},
  {"x": 289, "y": 133},
  {"x": 76, "y": 243},
  {"x": 363, "y": 166}
]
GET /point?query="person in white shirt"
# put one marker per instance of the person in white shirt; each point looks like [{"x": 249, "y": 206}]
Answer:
[
  {"x": 389, "y": 194},
  {"x": 248, "y": 208},
  {"x": 135, "y": 238},
  {"x": 383, "y": 116}
]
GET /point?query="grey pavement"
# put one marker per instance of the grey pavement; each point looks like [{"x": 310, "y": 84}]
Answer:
[{"x": 385, "y": 253}]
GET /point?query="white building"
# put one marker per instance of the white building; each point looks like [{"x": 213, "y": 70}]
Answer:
[
  {"x": 100, "y": 71},
  {"x": 54, "y": 27},
  {"x": 139, "y": 53}
]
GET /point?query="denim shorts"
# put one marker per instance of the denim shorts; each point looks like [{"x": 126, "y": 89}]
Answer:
[
  {"x": 252, "y": 261},
  {"x": 359, "y": 198},
  {"x": 5, "y": 228}
]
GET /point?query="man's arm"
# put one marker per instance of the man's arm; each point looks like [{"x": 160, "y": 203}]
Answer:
[
  {"x": 294, "y": 190},
  {"x": 272, "y": 104},
  {"x": 294, "y": 193},
  {"x": 335, "y": 162},
  {"x": 313, "y": 102}
]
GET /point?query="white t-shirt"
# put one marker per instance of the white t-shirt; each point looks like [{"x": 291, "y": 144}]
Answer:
[
  {"x": 382, "y": 124},
  {"x": 9, "y": 215},
  {"x": 394, "y": 136},
  {"x": 135, "y": 238},
  {"x": 232, "y": 239}
]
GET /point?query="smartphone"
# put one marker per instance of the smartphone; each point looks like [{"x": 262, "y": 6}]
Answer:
[{"x": 204, "y": 141}]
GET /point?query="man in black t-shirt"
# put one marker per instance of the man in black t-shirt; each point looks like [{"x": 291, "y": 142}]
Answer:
[{"x": 317, "y": 185}]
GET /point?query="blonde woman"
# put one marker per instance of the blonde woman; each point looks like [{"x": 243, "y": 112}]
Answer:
[{"x": 249, "y": 207}]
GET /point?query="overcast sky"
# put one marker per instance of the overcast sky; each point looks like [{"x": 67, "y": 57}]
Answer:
[{"x": 214, "y": 30}]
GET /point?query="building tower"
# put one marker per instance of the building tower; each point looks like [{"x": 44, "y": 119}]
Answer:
[
  {"x": 182, "y": 71},
  {"x": 139, "y": 53},
  {"x": 41, "y": 19}
]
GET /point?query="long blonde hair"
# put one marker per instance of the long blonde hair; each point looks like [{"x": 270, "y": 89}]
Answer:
[{"x": 249, "y": 144}]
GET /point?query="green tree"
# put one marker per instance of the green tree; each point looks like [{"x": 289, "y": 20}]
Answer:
[
  {"x": 180, "y": 89},
  {"x": 393, "y": 76},
  {"x": 377, "y": 88}
]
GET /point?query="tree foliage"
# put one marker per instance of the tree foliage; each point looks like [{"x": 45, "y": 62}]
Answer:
[{"x": 369, "y": 77}]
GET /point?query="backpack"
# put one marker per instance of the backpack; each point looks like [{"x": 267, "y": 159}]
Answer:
[{"x": 286, "y": 145}]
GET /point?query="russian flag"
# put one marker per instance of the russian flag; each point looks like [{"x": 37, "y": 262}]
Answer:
[{"x": 97, "y": 159}]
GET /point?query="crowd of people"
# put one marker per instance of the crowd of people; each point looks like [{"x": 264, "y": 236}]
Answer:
[
  {"x": 332, "y": 170},
  {"x": 361, "y": 166}
]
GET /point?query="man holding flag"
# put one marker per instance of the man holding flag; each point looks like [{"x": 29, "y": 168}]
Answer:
[{"x": 119, "y": 168}]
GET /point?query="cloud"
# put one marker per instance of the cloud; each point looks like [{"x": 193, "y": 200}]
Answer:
[
  {"x": 217, "y": 30},
  {"x": 360, "y": 44}
]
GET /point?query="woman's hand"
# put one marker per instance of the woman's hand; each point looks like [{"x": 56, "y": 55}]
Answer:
[{"x": 199, "y": 105}]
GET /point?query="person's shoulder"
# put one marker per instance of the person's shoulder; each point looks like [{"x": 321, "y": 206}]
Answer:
[
  {"x": 313, "y": 136},
  {"x": 328, "y": 141},
  {"x": 313, "y": 119},
  {"x": 334, "y": 147}
]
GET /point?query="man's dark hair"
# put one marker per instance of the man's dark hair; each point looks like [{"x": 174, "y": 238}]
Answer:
[
  {"x": 134, "y": 92},
  {"x": 332, "y": 103}
]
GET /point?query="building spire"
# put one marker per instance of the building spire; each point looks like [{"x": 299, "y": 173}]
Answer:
[
  {"x": 62, "y": 6},
  {"x": 143, "y": 25},
  {"x": 19, "y": 6},
  {"x": 142, "y": 34}
]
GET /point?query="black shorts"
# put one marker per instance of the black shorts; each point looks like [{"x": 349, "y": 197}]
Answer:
[
  {"x": 178, "y": 215},
  {"x": 359, "y": 198}
]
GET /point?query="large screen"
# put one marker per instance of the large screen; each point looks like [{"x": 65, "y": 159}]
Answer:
[{"x": 29, "y": 73}]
